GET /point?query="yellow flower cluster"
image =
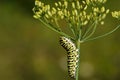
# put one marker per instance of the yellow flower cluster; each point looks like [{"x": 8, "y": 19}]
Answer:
[
  {"x": 75, "y": 12},
  {"x": 116, "y": 14},
  {"x": 95, "y": 2},
  {"x": 41, "y": 9},
  {"x": 99, "y": 13}
]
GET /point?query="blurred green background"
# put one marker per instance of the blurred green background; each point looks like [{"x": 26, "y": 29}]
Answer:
[{"x": 29, "y": 51}]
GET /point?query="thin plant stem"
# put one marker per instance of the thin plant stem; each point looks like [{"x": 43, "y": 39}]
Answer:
[
  {"x": 88, "y": 30},
  {"x": 106, "y": 34},
  {"x": 57, "y": 24},
  {"x": 72, "y": 29},
  {"x": 93, "y": 31},
  {"x": 55, "y": 29}
]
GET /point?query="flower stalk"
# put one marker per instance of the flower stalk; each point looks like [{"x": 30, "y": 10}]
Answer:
[
  {"x": 78, "y": 42},
  {"x": 77, "y": 69}
]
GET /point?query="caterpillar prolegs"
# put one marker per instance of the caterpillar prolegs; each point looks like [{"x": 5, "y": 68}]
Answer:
[{"x": 72, "y": 55}]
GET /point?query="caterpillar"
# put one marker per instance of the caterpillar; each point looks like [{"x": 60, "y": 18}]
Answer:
[{"x": 72, "y": 55}]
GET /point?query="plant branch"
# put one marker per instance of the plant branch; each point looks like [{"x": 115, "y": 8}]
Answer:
[
  {"x": 93, "y": 31},
  {"x": 55, "y": 29},
  {"x": 106, "y": 34},
  {"x": 57, "y": 24},
  {"x": 88, "y": 30},
  {"x": 72, "y": 29}
]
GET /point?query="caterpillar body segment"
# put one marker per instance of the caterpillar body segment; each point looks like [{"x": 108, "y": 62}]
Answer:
[{"x": 72, "y": 55}]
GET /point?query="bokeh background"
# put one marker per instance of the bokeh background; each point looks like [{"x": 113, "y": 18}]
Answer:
[{"x": 30, "y": 51}]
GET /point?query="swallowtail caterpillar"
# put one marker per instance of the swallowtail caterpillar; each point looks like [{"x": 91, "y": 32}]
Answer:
[{"x": 72, "y": 55}]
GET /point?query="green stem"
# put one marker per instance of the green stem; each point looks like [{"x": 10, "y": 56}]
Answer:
[
  {"x": 78, "y": 47},
  {"x": 106, "y": 34},
  {"x": 55, "y": 29},
  {"x": 77, "y": 69},
  {"x": 57, "y": 24},
  {"x": 72, "y": 29},
  {"x": 88, "y": 30},
  {"x": 93, "y": 31}
]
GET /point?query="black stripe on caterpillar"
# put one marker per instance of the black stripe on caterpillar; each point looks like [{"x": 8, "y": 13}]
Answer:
[{"x": 72, "y": 55}]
